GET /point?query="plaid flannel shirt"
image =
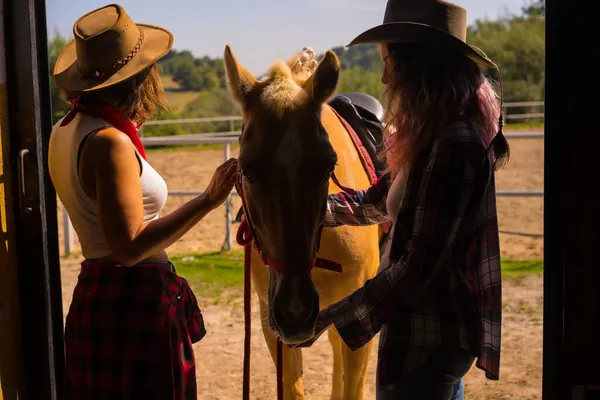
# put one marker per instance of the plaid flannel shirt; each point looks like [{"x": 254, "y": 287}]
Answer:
[{"x": 442, "y": 283}]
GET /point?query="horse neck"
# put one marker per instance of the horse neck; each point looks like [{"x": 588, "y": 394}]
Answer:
[{"x": 349, "y": 170}]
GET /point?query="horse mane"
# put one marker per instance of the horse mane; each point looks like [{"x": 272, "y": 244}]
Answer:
[{"x": 282, "y": 90}]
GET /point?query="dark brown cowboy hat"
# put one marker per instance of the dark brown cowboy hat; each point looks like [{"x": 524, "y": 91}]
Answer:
[
  {"x": 428, "y": 22},
  {"x": 108, "y": 48}
]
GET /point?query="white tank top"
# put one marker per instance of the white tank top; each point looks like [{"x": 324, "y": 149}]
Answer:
[{"x": 64, "y": 147}]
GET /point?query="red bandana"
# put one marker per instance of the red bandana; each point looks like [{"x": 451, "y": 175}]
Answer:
[{"x": 111, "y": 115}]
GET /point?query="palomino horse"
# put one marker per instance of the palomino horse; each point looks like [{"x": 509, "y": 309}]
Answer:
[{"x": 291, "y": 143}]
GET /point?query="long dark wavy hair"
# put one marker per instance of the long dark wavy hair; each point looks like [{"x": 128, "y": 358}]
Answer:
[{"x": 428, "y": 88}]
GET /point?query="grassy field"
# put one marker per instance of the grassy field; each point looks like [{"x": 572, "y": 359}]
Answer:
[
  {"x": 213, "y": 273},
  {"x": 168, "y": 82},
  {"x": 519, "y": 269},
  {"x": 177, "y": 100},
  {"x": 525, "y": 126}
]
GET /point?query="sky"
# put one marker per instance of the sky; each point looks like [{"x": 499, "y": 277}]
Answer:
[{"x": 258, "y": 32}]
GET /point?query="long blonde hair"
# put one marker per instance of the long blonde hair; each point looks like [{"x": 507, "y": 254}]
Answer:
[{"x": 428, "y": 88}]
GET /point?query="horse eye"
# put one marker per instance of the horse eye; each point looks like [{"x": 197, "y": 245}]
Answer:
[
  {"x": 247, "y": 177},
  {"x": 247, "y": 169}
]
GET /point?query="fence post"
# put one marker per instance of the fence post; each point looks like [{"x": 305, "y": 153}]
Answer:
[
  {"x": 227, "y": 243},
  {"x": 68, "y": 233},
  {"x": 231, "y": 127}
]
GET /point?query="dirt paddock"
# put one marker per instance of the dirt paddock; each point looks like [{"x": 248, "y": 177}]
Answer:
[{"x": 219, "y": 355}]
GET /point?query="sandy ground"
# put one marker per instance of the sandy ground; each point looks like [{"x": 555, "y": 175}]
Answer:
[
  {"x": 219, "y": 355},
  {"x": 192, "y": 170}
]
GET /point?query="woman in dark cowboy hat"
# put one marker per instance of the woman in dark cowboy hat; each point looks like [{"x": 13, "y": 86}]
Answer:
[
  {"x": 437, "y": 296},
  {"x": 132, "y": 321}
]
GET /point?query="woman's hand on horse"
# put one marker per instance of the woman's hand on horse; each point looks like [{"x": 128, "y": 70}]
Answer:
[
  {"x": 222, "y": 183},
  {"x": 321, "y": 325}
]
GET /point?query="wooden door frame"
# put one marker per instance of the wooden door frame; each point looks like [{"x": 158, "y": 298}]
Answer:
[
  {"x": 29, "y": 121},
  {"x": 571, "y": 211}
]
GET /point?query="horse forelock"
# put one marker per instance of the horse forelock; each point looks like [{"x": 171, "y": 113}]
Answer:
[{"x": 282, "y": 91}]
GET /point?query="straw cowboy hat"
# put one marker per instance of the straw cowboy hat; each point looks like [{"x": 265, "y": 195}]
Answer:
[
  {"x": 108, "y": 48},
  {"x": 430, "y": 22}
]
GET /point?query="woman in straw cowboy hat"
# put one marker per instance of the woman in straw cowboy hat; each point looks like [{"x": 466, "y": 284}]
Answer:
[
  {"x": 132, "y": 321},
  {"x": 437, "y": 296}
]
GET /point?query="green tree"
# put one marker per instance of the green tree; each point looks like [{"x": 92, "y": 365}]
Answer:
[
  {"x": 59, "y": 107},
  {"x": 357, "y": 79},
  {"x": 536, "y": 8},
  {"x": 517, "y": 45},
  {"x": 193, "y": 74}
]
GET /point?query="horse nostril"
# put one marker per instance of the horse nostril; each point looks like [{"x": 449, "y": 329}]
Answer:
[
  {"x": 299, "y": 312},
  {"x": 295, "y": 305},
  {"x": 298, "y": 318}
]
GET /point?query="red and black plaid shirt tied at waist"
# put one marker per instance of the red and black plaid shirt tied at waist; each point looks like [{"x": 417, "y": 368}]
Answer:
[
  {"x": 129, "y": 334},
  {"x": 442, "y": 283}
]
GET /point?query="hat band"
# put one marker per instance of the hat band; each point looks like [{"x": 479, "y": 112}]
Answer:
[{"x": 117, "y": 64}]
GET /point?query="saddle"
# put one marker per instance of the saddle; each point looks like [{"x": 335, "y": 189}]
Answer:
[{"x": 362, "y": 115}]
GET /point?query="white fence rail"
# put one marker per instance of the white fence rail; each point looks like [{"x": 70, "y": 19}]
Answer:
[
  {"x": 226, "y": 138},
  {"x": 233, "y": 118},
  {"x": 523, "y": 104}
]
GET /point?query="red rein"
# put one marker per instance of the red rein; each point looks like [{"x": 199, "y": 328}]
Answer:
[{"x": 244, "y": 238}]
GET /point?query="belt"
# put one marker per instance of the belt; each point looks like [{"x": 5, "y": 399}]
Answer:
[{"x": 167, "y": 265}]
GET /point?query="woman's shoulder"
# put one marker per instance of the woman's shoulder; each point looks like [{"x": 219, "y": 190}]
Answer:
[
  {"x": 463, "y": 130},
  {"x": 111, "y": 138},
  {"x": 464, "y": 138},
  {"x": 82, "y": 129},
  {"x": 109, "y": 145}
]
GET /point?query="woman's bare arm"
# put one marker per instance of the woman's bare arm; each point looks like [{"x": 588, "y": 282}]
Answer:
[{"x": 118, "y": 194}]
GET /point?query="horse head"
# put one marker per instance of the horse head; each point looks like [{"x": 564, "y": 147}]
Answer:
[{"x": 286, "y": 160}]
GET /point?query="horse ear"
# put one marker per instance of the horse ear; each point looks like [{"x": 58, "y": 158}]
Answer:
[
  {"x": 323, "y": 83},
  {"x": 239, "y": 80}
]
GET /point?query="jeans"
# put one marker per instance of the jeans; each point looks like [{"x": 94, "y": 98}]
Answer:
[
  {"x": 439, "y": 378},
  {"x": 459, "y": 390}
]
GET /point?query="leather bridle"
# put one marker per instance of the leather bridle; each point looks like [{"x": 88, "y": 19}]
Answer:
[{"x": 248, "y": 231}]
